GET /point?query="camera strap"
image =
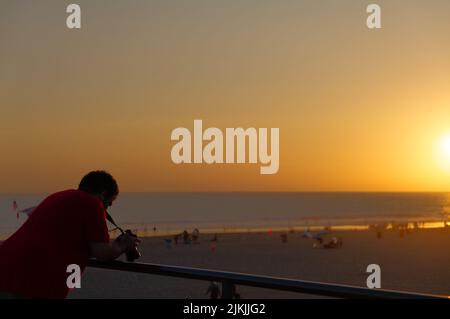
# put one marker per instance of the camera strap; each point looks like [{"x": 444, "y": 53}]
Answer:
[{"x": 111, "y": 220}]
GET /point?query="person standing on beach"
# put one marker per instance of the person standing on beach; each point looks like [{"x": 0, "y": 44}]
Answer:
[
  {"x": 67, "y": 228},
  {"x": 213, "y": 290},
  {"x": 186, "y": 239}
]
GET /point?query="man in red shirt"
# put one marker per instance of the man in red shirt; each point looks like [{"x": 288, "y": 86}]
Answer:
[{"x": 67, "y": 228}]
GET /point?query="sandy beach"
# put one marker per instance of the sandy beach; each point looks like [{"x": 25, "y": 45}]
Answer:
[{"x": 419, "y": 261}]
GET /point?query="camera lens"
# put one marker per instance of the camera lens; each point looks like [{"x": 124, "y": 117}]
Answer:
[{"x": 132, "y": 255}]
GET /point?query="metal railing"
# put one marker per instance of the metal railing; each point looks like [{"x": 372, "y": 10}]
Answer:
[{"x": 229, "y": 279}]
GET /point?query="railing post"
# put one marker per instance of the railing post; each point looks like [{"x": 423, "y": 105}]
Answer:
[{"x": 227, "y": 289}]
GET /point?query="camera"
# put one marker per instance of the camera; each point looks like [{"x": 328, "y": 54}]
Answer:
[{"x": 134, "y": 254}]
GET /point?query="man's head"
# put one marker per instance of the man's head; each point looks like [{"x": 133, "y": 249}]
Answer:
[{"x": 102, "y": 185}]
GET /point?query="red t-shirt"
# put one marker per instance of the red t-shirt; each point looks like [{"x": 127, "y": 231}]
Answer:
[{"x": 34, "y": 260}]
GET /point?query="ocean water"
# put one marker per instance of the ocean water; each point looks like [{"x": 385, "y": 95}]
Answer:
[{"x": 174, "y": 212}]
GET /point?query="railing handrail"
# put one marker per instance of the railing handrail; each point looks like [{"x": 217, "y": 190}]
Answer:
[{"x": 230, "y": 278}]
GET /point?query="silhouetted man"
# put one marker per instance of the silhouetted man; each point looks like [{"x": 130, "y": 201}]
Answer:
[{"x": 67, "y": 228}]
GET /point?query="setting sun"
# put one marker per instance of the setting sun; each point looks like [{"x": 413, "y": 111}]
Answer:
[{"x": 443, "y": 152}]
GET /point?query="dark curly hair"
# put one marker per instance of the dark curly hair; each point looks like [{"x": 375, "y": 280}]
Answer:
[{"x": 97, "y": 182}]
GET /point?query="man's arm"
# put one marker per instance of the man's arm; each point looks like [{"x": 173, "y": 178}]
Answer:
[
  {"x": 112, "y": 250},
  {"x": 106, "y": 251}
]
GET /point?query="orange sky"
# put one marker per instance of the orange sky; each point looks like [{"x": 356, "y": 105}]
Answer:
[{"x": 358, "y": 110}]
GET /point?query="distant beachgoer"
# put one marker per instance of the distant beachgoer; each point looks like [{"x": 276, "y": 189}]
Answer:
[
  {"x": 14, "y": 208},
  {"x": 283, "y": 238},
  {"x": 168, "y": 242},
  {"x": 331, "y": 243},
  {"x": 154, "y": 229},
  {"x": 234, "y": 292},
  {"x": 176, "y": 238},
  {"x": 67, "y": 228},
  {"x": 186, "y": 239},
  {"x": 213, "y": 290},
  {"x": 319, "y": 242},
  {"x": 195, "y": 235},
  {"x": 334, "y": 243}
]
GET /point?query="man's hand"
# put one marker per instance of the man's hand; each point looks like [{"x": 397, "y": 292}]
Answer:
[{"x": 126, "y": 242}]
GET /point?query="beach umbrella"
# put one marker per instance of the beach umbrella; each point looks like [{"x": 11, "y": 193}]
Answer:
[
  {"x": 314, "y": 235},
  {"x": 28, "y": 211}
]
